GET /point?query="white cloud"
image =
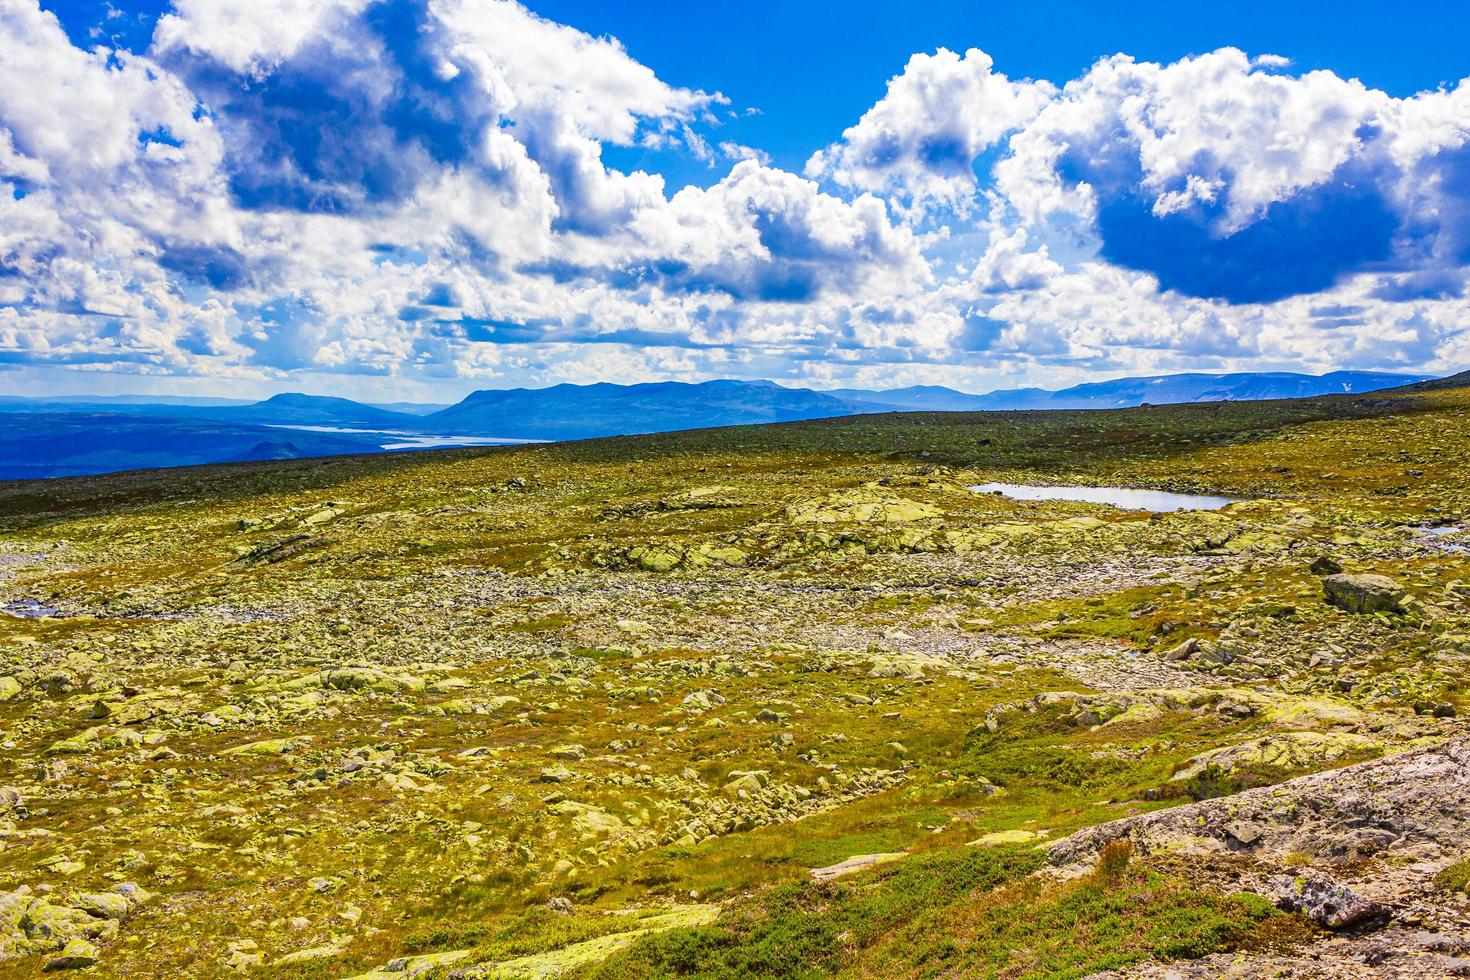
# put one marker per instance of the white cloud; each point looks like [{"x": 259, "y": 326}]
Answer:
[
  {"x": 921, "y": 140},
  {"x": 445, "y": 210},
  {"x": 249, "y": 36},
  {"x": 1199, "y": 130},
  {"x": 766, "y": 234}
]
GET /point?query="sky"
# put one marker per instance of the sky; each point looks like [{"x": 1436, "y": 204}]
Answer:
[{"x": 412, "y": 199}]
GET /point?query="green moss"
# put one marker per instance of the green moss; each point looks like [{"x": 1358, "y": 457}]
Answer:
[{"x": 1455, "y": 878}]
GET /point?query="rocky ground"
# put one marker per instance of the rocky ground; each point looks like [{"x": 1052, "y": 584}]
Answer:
[
  {"x": 781, "y": 701},
  {"x": 1361, "y": 851}
]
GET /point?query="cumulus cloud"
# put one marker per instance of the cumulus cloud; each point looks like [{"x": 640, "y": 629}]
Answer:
[
  {"x": 765, "y": 234},
  {"x": 418, "y": 190},
  {"x": 253, "y": 37},
  {"x": 922, "y": 139}
]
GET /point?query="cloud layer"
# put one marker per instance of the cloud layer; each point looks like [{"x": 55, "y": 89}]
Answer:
[{"x": 416, "y": 190}]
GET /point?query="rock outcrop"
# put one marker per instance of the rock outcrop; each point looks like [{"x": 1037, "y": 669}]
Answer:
[{"x": 1412, "y": 805}]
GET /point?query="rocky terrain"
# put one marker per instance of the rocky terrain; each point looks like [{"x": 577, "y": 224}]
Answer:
[{"x": 772, "y": 701}]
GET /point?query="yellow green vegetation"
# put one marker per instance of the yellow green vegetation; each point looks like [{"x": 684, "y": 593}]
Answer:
[
  {"x": 601, "y": 708},
  {"x": 975, "y": 913},
  {"x": 1456, "y": 877}
]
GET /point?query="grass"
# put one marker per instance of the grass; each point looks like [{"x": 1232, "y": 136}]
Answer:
[
  {"x": 968, "y": 912},
  {"x": 808, "y": 929}
]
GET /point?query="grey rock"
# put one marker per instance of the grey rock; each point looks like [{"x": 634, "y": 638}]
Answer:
[
  {"x": 1183, "y": 651},
  {"x": 1325, "y": 901},
  {"x": 1363, "y": 593},
  {"x": 1325, "y": 565},
  {"x": 1417, "y": 802},
  {"x": 77, "y": 954}
]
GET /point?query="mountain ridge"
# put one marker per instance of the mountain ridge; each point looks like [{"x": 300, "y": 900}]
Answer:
[{"x": 62, "y": 438}]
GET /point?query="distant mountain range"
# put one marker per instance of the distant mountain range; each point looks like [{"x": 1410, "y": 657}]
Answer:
[
  {"x": 290, "y": 408},
  {"x": 78, "y": 435},
  {"x": 1164, "y": 389}
]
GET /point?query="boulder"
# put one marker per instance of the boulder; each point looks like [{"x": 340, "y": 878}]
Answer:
[
  {"x": 75, "y": 955},
  {"x": 1284, "y": 751},
  {"x": 309, "y": 955},
  {"x": 103, "y": 905},
  {"x": 1363, "y": 593},
  {"x": 703, "y": 700},
  {"x": 656, "y": 557},
  {"x": 1001, "y": 838},
  {"x": 61, "y": 924},
  {"x": 1324, "y": 565},
  {"x": 1325, "y": 901},
  {"x": 269, "y": 746},
  {"x": 13, "y": 908},
  {"x": 1183, "y": 651}
]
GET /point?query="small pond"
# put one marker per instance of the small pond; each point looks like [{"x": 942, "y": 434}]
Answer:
[
  {"x": 28, "y": 609},
  {"x": 1436, "y": 537},
  {"x": 1127, "y": 498}
]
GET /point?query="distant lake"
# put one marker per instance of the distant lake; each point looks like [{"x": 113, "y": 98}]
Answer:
[
  {"x": 393, "y": 440},
  {"x": 1157, "y": 501}
]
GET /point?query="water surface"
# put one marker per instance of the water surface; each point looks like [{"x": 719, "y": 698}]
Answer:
[
  {"x": 29, "y": 609},
  {"x": 1435, "y": 537},
  {"x": 392, "y": 439},
  {"x": 1127, "y": 498}
]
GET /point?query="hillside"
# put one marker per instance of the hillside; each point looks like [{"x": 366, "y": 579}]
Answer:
[
  {"x": 298, "y": 409},
  {"x": 759, "y": 701},
  {"x": 588, "y": 411}
]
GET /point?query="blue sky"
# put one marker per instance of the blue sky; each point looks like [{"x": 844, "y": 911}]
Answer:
[
  {"x": 812, "y": 68},
  {"x": 387, "y": 198}
]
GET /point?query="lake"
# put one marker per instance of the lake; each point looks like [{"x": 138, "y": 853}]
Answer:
[
  {"x": 1128, "y": 498},
  {"x": 391, "y": 440}
]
